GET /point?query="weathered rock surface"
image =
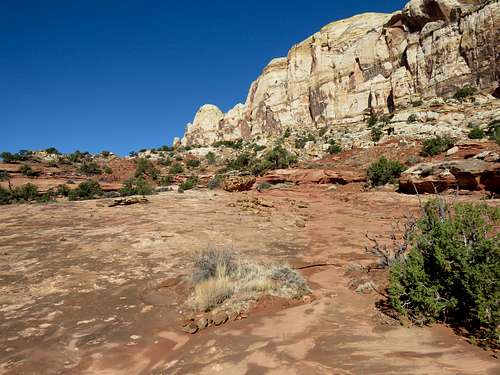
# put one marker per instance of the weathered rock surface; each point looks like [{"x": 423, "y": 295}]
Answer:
[
  {"x": 470, "y": 174},
  {"x": 312, "y": 176},
  {"x": 367, "y": 63},
  {"x": 238, "y": 183}
]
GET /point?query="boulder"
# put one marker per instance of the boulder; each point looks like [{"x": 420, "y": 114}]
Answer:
[
  {"x": 312, "y": 176},
  {"x": 469, "y": 174},
  {"x": 238, "y": 183}
]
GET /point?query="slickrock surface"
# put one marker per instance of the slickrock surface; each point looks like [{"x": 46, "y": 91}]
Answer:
[{"x": 89, "y": 289}]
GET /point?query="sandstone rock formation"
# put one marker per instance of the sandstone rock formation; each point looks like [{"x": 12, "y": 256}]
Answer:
[
  {"x": 301, "y": 176},
  {"x": 238, "y": 183},
  {"x": 469, "y": 174},
  {"x": 364, "y": 64}
]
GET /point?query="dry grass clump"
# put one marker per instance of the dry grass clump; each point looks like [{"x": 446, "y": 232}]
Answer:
[{"x": 222, "y": 283}]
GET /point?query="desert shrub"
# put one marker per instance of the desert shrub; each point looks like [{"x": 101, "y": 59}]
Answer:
[
  {"x": 412, "y": 118},
  {"x": 52, "y": 151},
  {"x": 89, "y": 189},
  {"x": 176, "y": 168},
  {"x": 4, "y": 176},
  {"x": 26, "y": 170},
  {"x": 166, "y": 180},
  {"x": 376, "y": 133},
  {"x": 211, "y": 158},
  {"x": 437, "y": 145},
  {"x": 334, "y": 148},
  {"x": 417, "y": 103},
  {"x": 287, "y": 133},
  {"x": 215, "y": 182},
  {"x": 208, "y": 261},
  {"x": 384, "y": 171},
  {"x": 476, "y": 133},
  {"x": 193, "y": 163},
  {"x": 136, "y": 186},
  {"x": 221, "y": 280},
  {"x": 236, "y": 145},
  {"x": 189, "y": 184},
  {"x": 9, "y": 157},
  {"x": 145, "y": 167},
  {"x": 264, "y": 186},
  {"x": 24, "y": 193},
  {"x": 5, "y": 196},
  {"x": 452, "y": 272},
  {"x": 493, "y": 131},
  {"x": 105, "y": 153},
  {"x": 77, "y": 156},
  {"x": 301, "y": 141},
  {"x": 279, "y": 157},
  {"x": 242, "y": 162},
  {"x": 63, "y": 190},
  {"x": 213, "y": 292},
  {"x": 48, "y": 196},
  {"x": 107, "y": 169},
  {"x": 166, "y": 162},
  {"x": 90, "y": 168},
  {"x": 323, "y": 131},
  {"x": 372, "y": 120},
  {"x": 257, "y": 148},
  {"x": 464, "y": 92},
  {"x": 412, "y": 160},
  {"x": 291, "y": 279}
]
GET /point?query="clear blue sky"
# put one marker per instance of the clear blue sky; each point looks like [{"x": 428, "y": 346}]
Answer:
[{"x": 121, "y": 75}]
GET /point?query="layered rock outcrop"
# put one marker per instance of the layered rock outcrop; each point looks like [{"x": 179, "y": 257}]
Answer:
[{"x": 368, "y": 63}]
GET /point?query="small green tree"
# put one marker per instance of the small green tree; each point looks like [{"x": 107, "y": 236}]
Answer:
[
  {"x": 176, "y": 169},
  {"x": 476, "y": 133},
  {"x": 452, "y": 272},
  {"x": 52, "y": 151},
  {"x": 26, "y": 170},
  {"x": 211, "y": 158},
  {"x": 89, "y": 189},
  {"x": 384, "y": 171},
  {"x": 437, "y": 145},
  {"x": 90, "y": 168},
  {"x": 5, "y": 196},
  {"x": 465, "y": 92},
  {"x": 376, "y": 133},
  {"x": 145, "y": 168},
  {"x": 189, "y": 184},
  {"x": 334, "y": 148},
  {"x": 136, "y": 186},
  {"x": 9, "y": 157},
  {"x": 193, "y": 163},
  {"x": 24, "y": 193},
  {"x": 412, "y": 118}
]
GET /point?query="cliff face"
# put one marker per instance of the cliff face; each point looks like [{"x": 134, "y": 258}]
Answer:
[{"x": 367, "y": 63}]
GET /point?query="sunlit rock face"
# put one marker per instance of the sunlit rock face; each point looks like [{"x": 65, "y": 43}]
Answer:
[{"x": 368, "y": 63}]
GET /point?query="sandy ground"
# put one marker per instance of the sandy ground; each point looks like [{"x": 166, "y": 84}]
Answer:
[{"x": 75, "y": 289}]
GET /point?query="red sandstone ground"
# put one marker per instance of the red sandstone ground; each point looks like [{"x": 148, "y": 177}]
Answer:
[{"x": 74, "y": 283}]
